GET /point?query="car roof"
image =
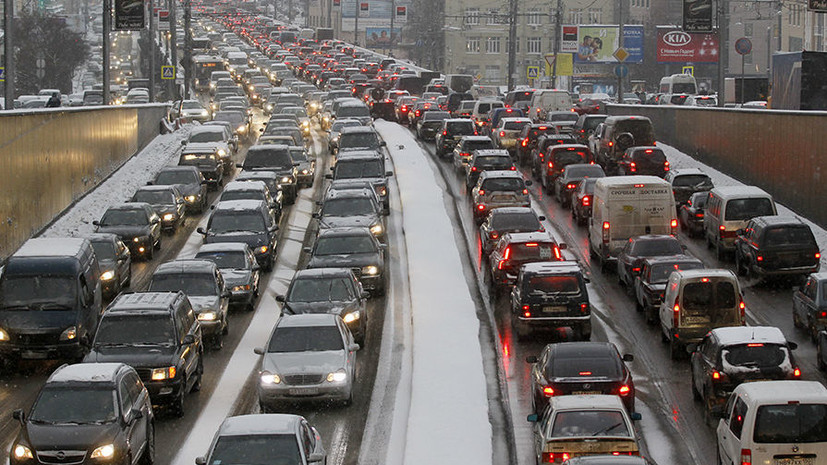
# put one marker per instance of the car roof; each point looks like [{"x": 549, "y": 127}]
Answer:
[
  {"x": 245, "y": 186},
  {"x": 620, "y": 181},
  {"x": 345, "y": 231},
  {"x": 239, "y": 205},
  {"x": 358, "y": 154},
  {"x": 517, "y": 119},
  {"x": 687, "y": 171},
  {"x": 510, "y": 210},
  {"x": 731, "y": 335},
  {"x": 132, "y": 301},
  {"x": 154, "y": 188},
  {"x": 528, "y": 237},
  {"x": 270, "y": 423},
  {"x": 223, "y": 247},
  {"x": 323, "y": 273},
  {"x": 178, "y": 168},
  {"x": 101, "y": 237},
  {"x": 473, "y": 138},
  {"x": 740, "y": 191},
  {"x": 572, "y": 147},
  {"x": 587, "y": 402},
  {"x": 86, "y": 373},
  {"x": 130, "y": 206},
  {"x": 764, "y": 392},
  {"x": 251, "y": 175},
  {"x": 51, "y": 247},
  {"x": 209, "y": 128},
  {"x": 350, "y": 193},
  {"x": 358, "y": 129},
  {"x": 778, "y": 220},
  {"x": 552, "y": 267},
  {"x": 188, "y": 265},
  {"x": 492, "y": 152},
  {"x": 307, "y": 319},
  {"x": 501, "y": 174},
  {"x": 705, "y": 273},
  {"x": 669, "y": 259}
]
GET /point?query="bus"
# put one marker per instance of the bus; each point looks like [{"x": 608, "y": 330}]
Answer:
[{"x": 204, "y": 65}]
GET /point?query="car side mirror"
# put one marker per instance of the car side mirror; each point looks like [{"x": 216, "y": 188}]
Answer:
[
  {"x": 136, "y": 414},
  {"x": 529, "y": 183},
  {"x": 541, "y": 218},
  {"x": 149, "y": 183},
  {"x": 354, "y": 347},
  {"x": 317, "y": 215},
  {"x": 156, "y": 221},
  {"x": 635, "y": 416},
  {"x": 628, "y": 358},
  {"x": 201, "y": 231},
  {"x": 258, "y": 350},
  {"x": 365, "y": 295},
  {"x": 383, "y": 144},
  {"x": 226, "y": 294},
  {"x": 200, "y": 461},
  {"x": 183, "y": 142},
  {"x": 388, "y": 174},
  {"x": 315, "y": 457},
  {"x": 562, "y": 246},
  {"x": 533, "y": 418},
  {"x": 19, "y": 415},
  {"x": 307, "y": 249},
  {"x": 792, "y": 345},
  {"x": 295, "y": 163},
  {"x": 96, "y": 223},
  {"x": 239, "y": 165},
  {"x": 328, "y": 176},
  {"x": 531, "y": 359},
  {"x": 280, "y": 298},
  {"x": 188, "y": 339}
]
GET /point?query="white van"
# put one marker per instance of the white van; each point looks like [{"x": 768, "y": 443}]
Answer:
[
  {"x": 775, "y": 422},
  {"x": 482, "y": 109},
  {"x": 729, "y": 209},
  {"x": 628, "y": 206},
  {"x": 696, "y": 302},
  {"x": 545, "y": 101},
  {"x": 678, "y": 84}
]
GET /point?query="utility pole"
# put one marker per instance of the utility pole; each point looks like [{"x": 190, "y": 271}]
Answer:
[
  {"x": 173, "y": 45},
  {"x": 290, "y": 12},
  {"x": 8, "y": 50},
  {"x": 393, "y": 16},
  {"x": 512, "y": 42},
  {"x": 356, "y": 24},
  {"x": 620, "y": 45},
  {"x": 329, "y": 13},
  {"x": 723, "y": 49},
  {"x": 107, "y": 25},
  {"x": 558, "y": 17},
  {"x": 152, "y": 51},
  {"x": 188, "y": 66}
]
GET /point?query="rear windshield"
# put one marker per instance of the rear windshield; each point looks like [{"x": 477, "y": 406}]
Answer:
[
  {"x": 532, "y": 251},
  {"x": 570, "y": 157},
  {"x": 515, "y": 222},
  {"x": 565, "y": 117},
  {"x": 493, "y": 161},
  {"x": 656, "y": 248},
  {"x": 471, "y": 145},
  {"x": 791, "y": 423},
  {"x": 589, "y": 423},
  {"x": 460, "y": 127},
  {"x": 565, "y": 367},
  {"x": 591, "y": 123},
  {"x": 651, "y": 156},
  {"x": 593, "y": 171},
  {"x": 699, "y": 298},
  {"x": 789, "y": 235},
  {"x": 660, "y": 273},
  {"x": 503, "y": 184},
  {"x": 641, "y": 130},
  {"x": 692, "y": 180},
  {"x": 754, "y": 355},
  {"x": 512, "y": 125},
  {"x": 746, "y": 209},
  {"x": 555, "y": 284}
]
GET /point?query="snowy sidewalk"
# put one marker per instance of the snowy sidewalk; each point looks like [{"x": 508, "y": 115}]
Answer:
[{"x": 448, "y": 407}]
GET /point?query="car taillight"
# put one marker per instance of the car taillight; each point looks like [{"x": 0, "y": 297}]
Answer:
[
  {"x": 746, "y": 457},
  {"x": 493, "y": 234},
  {"x": 524, "y": 142},
  {"x": 716, "y": 375},
  {"x": 624, "y": 390},
  {"x": 404, "y": 108},
  {"x": 501, "y": 264},
  {"x": 548, "y": 391},
  {"x": 548, "y": 457},
  {"x": 570, "y": 186},
  {"x": 473, "y": 168},
  {"x": 557, "y": 253},
  {"x": 666, "y": 166},
  {"x": 551, "y": 165},
  {"x": 759, "y": 258},
  {"x": 611, "y": 143},
  {"x": 743, "y": 307},
  {"x": 480, "y": 207},
  {"x": 797, "y": 373},
  {"x": 464, "y": 154},
  {"x": 587, "y": 201},
  {"x": 699, "y": 215},
  {"x": 540, "y": 155},
  {"x": 674, "y": 226},
  {"x": 525, "y": 191},
  {"x": 444, "y": 133},
  {"x": 584, "y": 308},
  {"x": 482, "y": 191},
  {"x": 632, "y": 167},
  {"x": 676, "y": 314},
  {"x": 513, "y": 168},
  {"x": 502, "y": 133},
  {"x": 818, "y": 255},
  {"x": 606, "y": 231}
]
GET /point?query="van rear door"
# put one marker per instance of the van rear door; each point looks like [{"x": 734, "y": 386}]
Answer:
[{"x": 638, "y": 209}]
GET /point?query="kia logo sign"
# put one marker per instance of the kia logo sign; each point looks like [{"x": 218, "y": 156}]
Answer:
[{"x": 677, "y": 38}]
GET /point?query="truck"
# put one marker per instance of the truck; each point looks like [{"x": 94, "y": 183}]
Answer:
[
  {"x": 324, "y": 33},
  {"x": 798, "y": 81},
  {"x": 754, "y": 88}
]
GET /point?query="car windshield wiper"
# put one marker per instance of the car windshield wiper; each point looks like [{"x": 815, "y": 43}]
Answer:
[
  {"x": 55, "y": 306},
  {"x": 607, "y": 429},
  {"x": 113, "y": 344}
]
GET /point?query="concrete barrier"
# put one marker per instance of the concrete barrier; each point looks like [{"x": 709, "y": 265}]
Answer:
[
  {"x": 49, "y": 158},
  {"x": 779, "y": 151}
]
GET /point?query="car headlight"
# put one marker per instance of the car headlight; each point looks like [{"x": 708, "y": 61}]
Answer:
[
  {"x": 370, "y": 270},
  {"x": 190, "y": 198},
  {"x": 377, "y": 229},
  {"x": 69, "y": 334},
  {"x": 243, "y": 287},
  {"x": 108, "y": 275},
  {"x": 337, "y": 377},
  {"x": 382, "y": 191},
  {"x": 351, "y": 317},
  {"x": 251, "y": 88},
  {"x": 4, "y": 335},
  {"x": 207, "y": 316},
  {"x": 104, "y": 452},
  {"x": 22, "y": 452},
  {"x": 269, "y": 107},
  {"x": 305, "y": 171},
  {"x": 160, "y": 374},
  {"x": 242, "y": 129},
  {"x": 205, "y": 113},
  {"x": 305, "y": 123},
  {"x": 222, "y": 152},
  {"x": 270, "y": 378},
  {"x": 286, "y": 180},
  {"x": 212, "y": 85},
  {"x": 139, "y": 239},
  {"x": 169, "y": 216},
  {"x": 262, "y": 249},
  {"x": 326, "y": 118}
]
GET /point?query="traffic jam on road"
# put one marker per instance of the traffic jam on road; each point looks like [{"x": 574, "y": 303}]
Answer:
[{"x": 236, "y": 301}]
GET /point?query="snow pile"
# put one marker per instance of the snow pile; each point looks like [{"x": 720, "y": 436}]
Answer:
[
  {"x": 448, "y": 400},
  {"x": 119, "y": 187}
]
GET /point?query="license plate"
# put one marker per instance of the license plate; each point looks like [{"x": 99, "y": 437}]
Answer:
[
  {"x": 555, "y": 309},
  {"x": 457, "y": 137},
  {"x": 695, "y": 319},
  {"x": 501, "y": 198},
  {"x": 31, "y": 355},
  {"x": 303, "y": 391},
  {"x": 796, "y": 461},
  {"x": 585, "y": 392}
]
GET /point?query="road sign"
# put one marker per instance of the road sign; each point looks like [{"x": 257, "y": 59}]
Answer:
[
  {"x": 550, "y": 59},
  {"x": 167, "y": 72},
  {"x": 533, "y": 72},
  {"x": 621, "y": 54},
  {"x": 2, "y": 74},
  {"x": 690, "y": 70},
  {"x": 743, "y": 46},
  {"x": 621, "y": 71}
]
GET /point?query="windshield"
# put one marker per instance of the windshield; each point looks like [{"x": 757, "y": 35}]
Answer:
[
  {"x": 503, "y": 184},
  {"x": 242, "y": 195},
  {"x": 232, "y": 221},
  {"x": 791, "y": 423},
  {"x": 359, "y": 139},
  {"x": 234, "y": 117},
  {"x": 207, "y": 136},
  {"x": 555, "y": 284},
  {"x": 589, "y": 423},
  {"x": 193, "y": 284},
  {"x": 226, "y": 260},
  {"x": 191, "y": 105},
  {"x": 166, "y": 178},
  {"x": 515, "y": 222},
  {"x": 319, "y": 290},
  {"x": 136, "y": 330},
  {"x": 656, "y": 248},
  {"x": 256, "y": 449},
  {"x": 38, "y": 292},
  {"x": 154, "y": 197},
  {"x": 306, "y": 339},
  {"x": 352, "y": 111},
  {"x": 279, "y": 159},
  {"x": 104, "y": 250},
  {"x": 344, "y": 245},
  {"x": 359, "y": 169},
  {"x": 348, "y": 207},
  {"x": 75, "y": 404},
  {"x": 124, "y": 218},
  {"x": 746, "y": 209},
  {"x": 660, "y": 273},
  {"x": 683, "y": 88},
  {"x": 691, "y": 180}
]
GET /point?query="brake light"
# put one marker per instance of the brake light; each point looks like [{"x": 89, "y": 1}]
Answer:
[
  {"x": 444, "y": 133},
  {"x": 507, "y": 253},
  {"x": 624, "y": 390},
  {"x": 548, "y": 391},
  {"x": 676, "y": 313},
  {"x": 818, "y": 255},
  {"x": 464, "y": 154},
  {"x": 742, "y": 306},
  {"x": 473, "y": 168},
  {"x": 551, "y": 165},
  {"x": 585, "y": 373},
  {"x": 755, "y": 344},
  {"x": 797, "y": 373},
  {"x": 525, "y": 142},
  {"x": 531, "y": 244},
  {"x": 674, "y": 226},
  {"x": 404, "y": 108},
  {"x": 666, "y": 166},
  {"x": 716, "y": 374},
  {"x": 586, "y": 201},
  {"x": 611, "y": 143},
  {"x": 482, "y": 191},
  {"x": 502, "y": 133},
  {"x": 417, "y": 113},
  {"x": 636, "y": 269},
  {"x": 606, "y": 231},
  {"x": 759, "y": 258},
  {"x": 746, "y": 457},
  {"x": 480, "y": 207},
  {"x": 570, "y": 186},
  {"x": 513, "y": 168},
  {"x": 540, "y": 155},
  {"x": 632, "y": 167},
  {"x": 525, "y": 307},
  {"x": 699, "y": 215},
  {"x": 525, "y": 191}
]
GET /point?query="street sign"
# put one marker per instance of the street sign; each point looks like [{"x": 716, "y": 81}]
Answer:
[
  {"x": 697, "y": 15},
  {"x": 565, "y": 65},
  {"x": 690, "y": 70},
  {"x": 621, "y": 71},
  {"x": 2, "y": 74},
  {"x": 819, "y": 6},
  {"x": 743, "y": 46},
  {"x": 621, "y": 54},
  {"x": 167, "y": 72},
  {"x": 550, "y": 59},
  {"x": 533, "y": 72}
]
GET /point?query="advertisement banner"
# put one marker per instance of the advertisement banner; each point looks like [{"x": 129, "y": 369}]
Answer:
[
  {"x": 633, "y": 43},
  {"x": 129, "y": 15},
  {"x": 381, "y": 37},
  {"x": 565, "y": 65},
  {"x": 676, "y": 46},
  {"x": 376, "y": 9},
  {"x": 569, "y": 42},
  {"x": 697, "y": 15},
  {"x": 595, "y": 44},
  {"x": 401, "y": 14}
]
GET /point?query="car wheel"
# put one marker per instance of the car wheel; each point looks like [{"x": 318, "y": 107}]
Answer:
[
  {"x": 178, "y": 403},
  {"x": 128, "y": 281},
  {"x": 695, "y": 393},
  {"x": 674, "y": 349},
  {"x": 148, "y": 457},
  {"x": 739, "y": 264},
  {"x": 149, "y": 253},
  {"x": 796, "y": 319},
  {"x": 264, "y": 408},
  {"x": 196, "y": 386},
  {"x": 348, "y": 401},
  {"x": 217, "y": 342},
  {"x": 820, "y": 357}
]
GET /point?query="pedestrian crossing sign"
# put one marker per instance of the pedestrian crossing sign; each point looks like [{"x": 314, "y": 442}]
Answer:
[
  {"x": 533, "y": 72},
  {"x": 167, "y": 72},
  {"x": 2, "y": 74}
]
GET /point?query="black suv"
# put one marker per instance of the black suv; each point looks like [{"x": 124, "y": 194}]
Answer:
[
  {"x": 551, "y": 295},
  {"x": 776, "y": 246},
  {"x": 137, "y": 225},
  {"x": 158, "y": 335},
  {"x": 87, "y": 414},
  {"x": 643, "y": 160},
  {"x": 487, "y": 160},
  {"x": 275, "y": 158},
  {"x": 528, "y": 137},
  {"x": 207, "y": 161},
  {"x": 650, "y": 281},
  {"x": 248, "y": 221},
  {"x": 639, "y": 247},
  {"x": 451, "y": 132},
  {"x": 189, "y": 181}
]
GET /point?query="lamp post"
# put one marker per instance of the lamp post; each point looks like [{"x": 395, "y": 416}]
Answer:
[
  {"x": 152, "y": 54},
  {"x": 512, "y": 42},
  {"x": 8, "y": 50},
  {"x": 107, "y": 15}
]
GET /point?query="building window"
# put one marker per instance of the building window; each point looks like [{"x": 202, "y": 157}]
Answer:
[
  {"x": 534, "y": 18},
  {"x": 534, "y": 45},
  {"x": 595, "y": 15},
  {"x": 493, "y": 17},
  {"x": 492, "y": 45},
  {"x": 575, "y": 17},
  {"x": 472, "y": 16},
  {"x": 472, "y": 45}
]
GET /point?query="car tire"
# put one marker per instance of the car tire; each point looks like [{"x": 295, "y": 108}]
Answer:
[
  {"x": 796, "y": 319},
  {"x": 674, "y": 349},
  {"x": 150, "y": 252},
  {"x": 695, "y": 393},
  {"x": 819, "y": 358},
  {"x": 196, "y": 386},
  {"x": 348, "y": 401},
  {"x": 148, "y": 457},
  {"x": 217, "y": 342},
  {"x": 739, "y": 264},
  {"x": 128, "y": 281},
  {"x": 178, "y": 403}
]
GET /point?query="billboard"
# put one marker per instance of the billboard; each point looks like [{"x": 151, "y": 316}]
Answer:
[
  {"x": 129, "y": 15},
  {"x": 381, "y": 37},
  {"x": 676, "y": 46},
  {"x": 697, "y": 15},
  {"x": 377, "y": 9},
  {"x": 597, "y": 43}
]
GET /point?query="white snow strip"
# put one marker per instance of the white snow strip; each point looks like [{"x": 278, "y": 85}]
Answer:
[{"x": 448, "y": 418}]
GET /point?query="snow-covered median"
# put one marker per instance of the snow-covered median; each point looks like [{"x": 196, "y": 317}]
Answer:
[{"x": 448, "y": 415}]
